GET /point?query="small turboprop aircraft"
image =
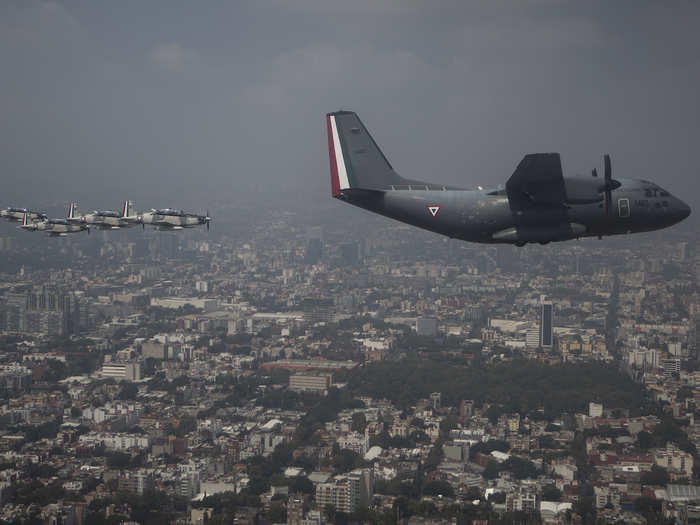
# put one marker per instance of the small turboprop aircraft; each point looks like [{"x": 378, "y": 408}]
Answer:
[
  {"x": 538, "y": 204},
  {"x": 17, "y": 214},
  {"x": 54, "y": 227},
  {"x": 105, "y": 219},
  {"x": 169, "y": 219}
]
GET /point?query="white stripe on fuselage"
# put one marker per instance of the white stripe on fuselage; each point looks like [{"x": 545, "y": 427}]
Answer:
[{"x": 339, "y": 160}]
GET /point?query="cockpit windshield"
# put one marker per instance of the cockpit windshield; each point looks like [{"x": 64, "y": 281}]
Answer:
[{"x": 652, "y": 190}]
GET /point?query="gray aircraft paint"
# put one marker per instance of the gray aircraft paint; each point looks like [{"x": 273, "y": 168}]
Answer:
[
  {"x": 106, "y": 219},
  {"x": 538, "y": 204},
  {"x": 54, "y": 227},
  {"x": 169, "y": 219},
  {"x": 17, "y": 214}
]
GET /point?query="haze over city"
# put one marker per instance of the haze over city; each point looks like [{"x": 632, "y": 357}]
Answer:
[
  {"x": 253, "y": 351},
  {"x": 195, "y": 106}
]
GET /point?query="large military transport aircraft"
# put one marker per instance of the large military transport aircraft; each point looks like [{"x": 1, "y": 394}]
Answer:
[{"x": 538, "y": 204}]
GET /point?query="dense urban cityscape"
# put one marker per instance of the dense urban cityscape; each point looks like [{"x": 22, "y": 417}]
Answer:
[{"x": 281, "y": 371}]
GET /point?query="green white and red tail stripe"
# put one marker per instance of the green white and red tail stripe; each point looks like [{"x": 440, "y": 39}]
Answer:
[{"x": 339, "y": 168}]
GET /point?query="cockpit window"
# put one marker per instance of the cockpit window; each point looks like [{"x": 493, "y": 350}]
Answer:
[{"x": 655, "y": 191}]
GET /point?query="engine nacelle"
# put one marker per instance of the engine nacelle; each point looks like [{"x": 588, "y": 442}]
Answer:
[{"x": 584, "y": 190}]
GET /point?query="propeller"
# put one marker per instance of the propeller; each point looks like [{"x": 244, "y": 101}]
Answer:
[
  {"x": 207, "y": 220},
  {"x": 609, "y": 183}
]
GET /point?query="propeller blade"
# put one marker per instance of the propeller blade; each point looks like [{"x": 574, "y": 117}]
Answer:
[{"x": 608, "y": 178}]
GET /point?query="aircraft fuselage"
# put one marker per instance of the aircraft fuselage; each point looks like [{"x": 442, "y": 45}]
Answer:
[
  {"x": 488, "y": 216},
  {"x": 172, "y": 221}
]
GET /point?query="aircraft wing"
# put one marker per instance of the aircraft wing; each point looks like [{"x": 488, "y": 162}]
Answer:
[{"x": 537, "y": 181}]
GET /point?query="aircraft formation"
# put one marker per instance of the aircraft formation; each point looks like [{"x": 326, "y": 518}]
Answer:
[
  {"x": 166, "y": 219},
  {"x": 537, "y": 205}
]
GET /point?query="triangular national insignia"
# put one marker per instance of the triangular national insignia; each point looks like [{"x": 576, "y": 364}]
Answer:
[{"x": 433, "y": 210}]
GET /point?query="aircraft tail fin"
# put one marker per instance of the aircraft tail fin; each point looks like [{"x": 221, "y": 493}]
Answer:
[
  {"x": 126, "y": 209},
  {"x": 355, "y": 158},
  {"x": 72, "y": 210},
  {"x": 25, "y": 219}
]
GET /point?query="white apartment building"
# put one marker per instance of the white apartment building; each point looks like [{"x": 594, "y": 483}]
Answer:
[
  {"x": 122, "y": 371},
  {"x": 310, "y": 382}
]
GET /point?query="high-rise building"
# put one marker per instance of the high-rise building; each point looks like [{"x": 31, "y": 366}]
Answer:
[
  {"x": 672, "y": 367},
  {"x": 466, "y": 409},
  {"x": 314, "y": 245},
  {"x": 46, "y": 310},
  {"x": 694, "y": 333},
  {"x": 139, "y": 481},
  {"x": 315, "y": 232},
  {"x": 154, "y": 350},
  {"x": 13, "y": 308},
  {"x": 436, "y": 400},
  {"x": 546, "y": 323},
  {"x": 349, "y": 253},
  {"x": 318, "y": 310},
  {"x": 361, "y": 487},
  {"x": 168, "y": 245},
  {"x": 347, "y": 493},
  {"x": 188, "y": 485},
  {"x": 314, "y": 251},
  {"x": 335, "y": 492},
  {"x": 473, "y": 313}
]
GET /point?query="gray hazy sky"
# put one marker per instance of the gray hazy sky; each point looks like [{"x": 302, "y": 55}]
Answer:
[{"x": 194, "y": 103}]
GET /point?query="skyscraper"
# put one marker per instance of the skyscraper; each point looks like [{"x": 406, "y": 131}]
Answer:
[
  {"x": 436, "y": 400},
  {"x": 349, "y": 253},
  {"x": 546, "y": 315}
]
